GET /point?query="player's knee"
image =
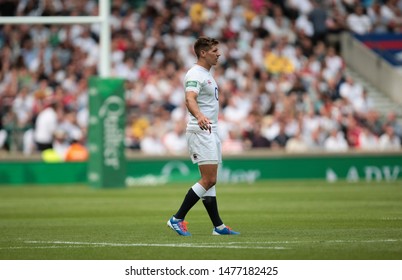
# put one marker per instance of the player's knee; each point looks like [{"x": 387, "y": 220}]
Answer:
[{"x": 209, "y": 182}]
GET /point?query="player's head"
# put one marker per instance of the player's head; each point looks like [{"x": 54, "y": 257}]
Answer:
[{"x": 204, "y": 44}]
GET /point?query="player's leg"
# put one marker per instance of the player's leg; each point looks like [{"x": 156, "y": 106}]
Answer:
[
  {"x": 209, "y": 173},
  {"x": 211, "y": 205},
  {"x": 177, "y": 222},
  {"x": 203, "y": 152},
  {"x": 208, "y": 179},
  {"x": 210, "y": 202},
  {"x": 200, "y": 147},
  {"x": 209, "y": 198}
]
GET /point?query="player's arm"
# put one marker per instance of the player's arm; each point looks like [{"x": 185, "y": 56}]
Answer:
[{"x": 192, "y": 106}]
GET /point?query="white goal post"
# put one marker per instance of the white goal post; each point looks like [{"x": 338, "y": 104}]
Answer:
[{"x": 102, "y": 19}]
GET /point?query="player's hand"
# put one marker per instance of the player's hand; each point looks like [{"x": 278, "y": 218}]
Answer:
[
  {"x": 207, "y": 127},
  {"x": 204, "y": 123}
]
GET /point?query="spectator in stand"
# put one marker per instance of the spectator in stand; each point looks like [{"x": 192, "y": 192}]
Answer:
[
  {"x": 3, "y": 138},
  {"x": 60, "y": 143},
  {"x": 378, "y": 21},
  {"x": 333, "y": 62},
  {"x": 68, "y": 124},
  {"x": 77, "y": 150},
  {"x": 336, "y": 142},
  {"x": 279, "y": 142},
  {"x": 45, "y": 127},
  {"x": 151, "y": 44},
  {"x": 359, "y": 22},
  {"x": 373, "y": 122},
  {"x": 175, "y": 141},
  {"x": 336, "y": 21},
  {"x": 367, "y": 140},
  {"x": 310, "y": 122},
  {"x": 350, "y": 90},
  {"x": 257, "y": 139},
  {"x": 353, "y": 132},
  {"x": 363, "y": 104},
  {"x": 296, "y": 144},
  {"x": 3, "y": 131},
  {"x": 151, "y": 144},
  {"x": 349, "y": 5},
  {"x": 332, "y": 90},
  {"x": 391, "y": 14},
  {"x": 303, "y": 25},
  {"x": 316, "y": 140},
  {"x": 388, "y": 140},
  {"x": 233, "y": 144},
  {"x": 234, "y": 112},
  {"x": 135, "y": 131},
  {"x": 392, "y": 120},
  {"x": 23, "y": 107},
  {"x": 270, "y": 126},
  {"x": 318, "y": 16}
]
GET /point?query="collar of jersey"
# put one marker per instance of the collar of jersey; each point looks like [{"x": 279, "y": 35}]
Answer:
[{"x": 201, "y": 68}]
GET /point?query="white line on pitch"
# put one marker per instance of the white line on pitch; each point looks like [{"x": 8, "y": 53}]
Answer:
[
  {"x": 179, "y": 245},
  {"x": 228, "y": 245},
  {"x": 41, "y": 247},
  {"x": 317, "y": 241},
  {"x": 392, "y": 219}
]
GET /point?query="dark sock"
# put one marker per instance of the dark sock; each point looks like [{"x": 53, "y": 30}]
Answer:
[
  {"x": 212, "y": 208},
  {"x": 189, "y": 201}
]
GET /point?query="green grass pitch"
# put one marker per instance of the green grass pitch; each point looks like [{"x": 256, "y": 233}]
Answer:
[{"x": 278, "y": 220}]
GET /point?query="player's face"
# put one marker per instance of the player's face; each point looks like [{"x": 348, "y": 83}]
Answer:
[{"x": 212, "y": 55}]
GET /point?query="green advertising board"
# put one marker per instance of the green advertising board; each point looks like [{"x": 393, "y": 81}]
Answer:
[
  {"x": 157, "y": 171},
  {"x": 107, "y": 163},
  {"x": 352, "y": 168}
]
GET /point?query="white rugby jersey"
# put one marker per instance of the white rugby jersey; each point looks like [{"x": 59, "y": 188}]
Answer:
[{"x": 200, "y": 80}]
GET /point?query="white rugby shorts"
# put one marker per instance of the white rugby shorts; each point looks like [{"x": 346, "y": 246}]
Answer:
[{"x": 204, "y": 147}]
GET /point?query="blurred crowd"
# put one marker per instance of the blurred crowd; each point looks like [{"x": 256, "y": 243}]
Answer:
[{"x": 282, "y": 80}]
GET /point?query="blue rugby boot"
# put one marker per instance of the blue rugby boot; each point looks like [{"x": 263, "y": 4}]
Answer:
[
  {"x": 225, "y": 231},
  {"x": 179, "y": 226}
]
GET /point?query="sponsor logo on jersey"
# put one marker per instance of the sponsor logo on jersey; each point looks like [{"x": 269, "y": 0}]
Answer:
[{"x": 191, "y": 83}]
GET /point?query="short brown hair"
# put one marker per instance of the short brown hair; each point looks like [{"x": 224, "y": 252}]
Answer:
[{"x": 204, "y": 43}]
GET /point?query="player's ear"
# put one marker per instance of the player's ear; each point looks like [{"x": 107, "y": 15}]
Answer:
[{"x": 202, "y": 53}]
